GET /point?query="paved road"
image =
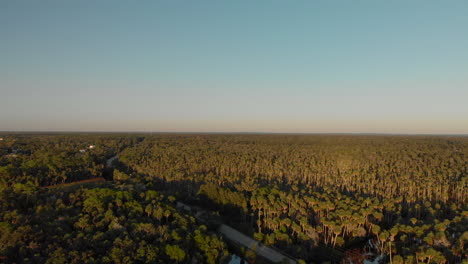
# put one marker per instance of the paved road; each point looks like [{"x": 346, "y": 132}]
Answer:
[
  {"x": 260, "y": 249},
  {"x": 109, "y": 161}
]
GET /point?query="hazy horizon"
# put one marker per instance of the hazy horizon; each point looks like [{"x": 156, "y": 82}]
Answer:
[
  {"x": 63, "y": 132},
  {"x": 363, "y": 67}
]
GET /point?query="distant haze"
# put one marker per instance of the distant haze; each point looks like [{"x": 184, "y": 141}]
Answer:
[{"x": 235, "y": 66}]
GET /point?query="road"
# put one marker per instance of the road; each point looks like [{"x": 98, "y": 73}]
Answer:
[
  {"x": 110, "y": 160},
  {"x": 259, "y": 248}
]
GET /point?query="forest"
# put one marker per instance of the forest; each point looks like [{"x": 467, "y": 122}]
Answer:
[{"x": 317, "y": 198}]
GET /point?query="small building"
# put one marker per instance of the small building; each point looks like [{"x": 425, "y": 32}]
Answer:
[
  {"x": 82, "y": 150},
  {"x": 1, "y": 139},
  {"x": 92, "y": 146}
]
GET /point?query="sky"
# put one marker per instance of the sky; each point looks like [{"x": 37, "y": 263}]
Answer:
[{"x": 235, "y": 66}]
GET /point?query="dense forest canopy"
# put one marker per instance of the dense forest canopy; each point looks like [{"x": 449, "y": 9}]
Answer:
[
  {"x": 386, "y": 167},
  {"x": 316, "y": 197}
]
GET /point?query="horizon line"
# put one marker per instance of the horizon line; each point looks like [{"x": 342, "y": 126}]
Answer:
[{"x": 227, "y": 133}]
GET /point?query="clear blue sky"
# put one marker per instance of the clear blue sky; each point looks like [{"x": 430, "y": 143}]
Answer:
[{"x": 260, "y": 66}]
